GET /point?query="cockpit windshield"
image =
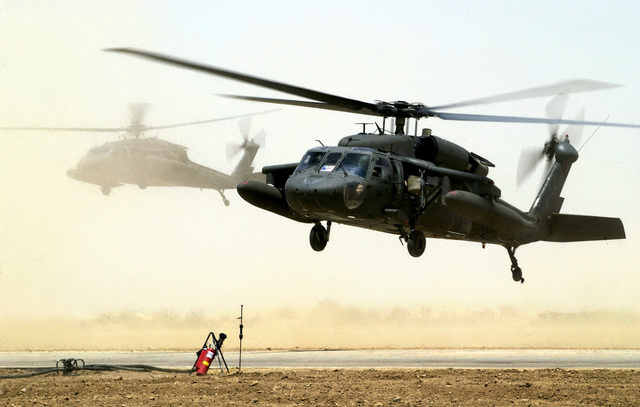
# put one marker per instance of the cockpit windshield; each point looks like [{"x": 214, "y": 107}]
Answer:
[
  {"x": 310, "y": 161},
  {"x": 330, "y": 163},
  {"x": 356, "y": 164},
  {"x": 350, "y": 162}
]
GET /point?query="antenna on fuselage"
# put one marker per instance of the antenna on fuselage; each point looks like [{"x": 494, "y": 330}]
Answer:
[{"x": 364, "y": 127}]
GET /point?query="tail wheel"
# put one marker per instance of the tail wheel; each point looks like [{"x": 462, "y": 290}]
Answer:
[
  {"x": 516, "y": 274},
  {"x": 416, "y": 243}
]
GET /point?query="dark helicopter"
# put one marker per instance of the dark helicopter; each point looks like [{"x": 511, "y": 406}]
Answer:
[
  {"x": 416, "y": 186},
  {"x": 150, "y": 161}
]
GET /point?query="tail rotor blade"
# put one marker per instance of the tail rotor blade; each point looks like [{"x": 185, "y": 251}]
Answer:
[
  {"x": 245, "y": 127},
  {"x": 529, "y": 159},
  {"x": 260, "y": 138},
  {"x": 555, "y": 110},
  {"x": 232, "y": 150},
  {"x": 575, "y": 130}
]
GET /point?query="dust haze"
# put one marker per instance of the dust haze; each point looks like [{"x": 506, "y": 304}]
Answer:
[
  {"x": 159, "y": 268},
  {"x": 330, "y": 325}
]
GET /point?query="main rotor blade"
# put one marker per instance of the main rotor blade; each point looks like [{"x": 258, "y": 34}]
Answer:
[
  {"x": 517, "y": 119},
  {"x": 145, "y": 128},
  {"x": 570, "y": 86},
  {"x": 240, "y": 116},
  {"x": 118, "y": 129},
  {"x": 393, "y": 109},
  {"x": 302, "y": 103},
  {"x": 351, "y": 105},
  {"x": 83, "y": 129}
]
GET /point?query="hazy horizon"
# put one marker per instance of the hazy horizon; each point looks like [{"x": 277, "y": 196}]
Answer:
[{"x": 330, "y": 325}]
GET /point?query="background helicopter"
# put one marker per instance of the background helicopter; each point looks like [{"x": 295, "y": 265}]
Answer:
[
  {"x": 150, "y": 161},
  {"x": 416, "y": 186}
]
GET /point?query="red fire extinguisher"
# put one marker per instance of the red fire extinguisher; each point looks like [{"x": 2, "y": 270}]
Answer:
[
  {"x": 210, "y": 350},
  {"x": 204, "y": 360}
]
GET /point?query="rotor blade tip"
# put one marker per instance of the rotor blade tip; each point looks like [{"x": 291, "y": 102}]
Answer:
[{"x": 124, "y": 50}]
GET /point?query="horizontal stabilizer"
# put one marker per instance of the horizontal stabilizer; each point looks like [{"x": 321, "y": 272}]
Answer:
[{"x": 579, "y": 228}]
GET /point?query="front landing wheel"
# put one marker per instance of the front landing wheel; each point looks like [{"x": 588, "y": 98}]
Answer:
[
  {"x": 416, "y": 243},
  {"x": 318, "y": 238}
]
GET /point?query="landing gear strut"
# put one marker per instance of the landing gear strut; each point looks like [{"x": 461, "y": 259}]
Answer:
[
  {"x": 516, "y": 271},
  {"x": 319, "y": 236},
  {"x": 224, "y": 198}
]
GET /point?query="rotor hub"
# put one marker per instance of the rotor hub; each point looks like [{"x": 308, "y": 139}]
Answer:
[{"x": 550, "y": 147}]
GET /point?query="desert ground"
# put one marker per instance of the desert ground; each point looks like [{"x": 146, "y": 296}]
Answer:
[{"x": 330, "y": 387}]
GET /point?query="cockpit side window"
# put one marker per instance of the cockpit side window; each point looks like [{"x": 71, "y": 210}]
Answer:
[
  {"x": 330, "y": 163},
  {"x": 381, "y": 168},
  {"x": 310, "y": 161},
  {"x": 356, "y": 164}
]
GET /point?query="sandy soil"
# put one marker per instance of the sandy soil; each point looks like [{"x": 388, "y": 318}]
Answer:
[{"x": 330, "y": 387}]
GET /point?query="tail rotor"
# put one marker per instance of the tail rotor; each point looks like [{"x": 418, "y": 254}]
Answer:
[
  {"x": 531, "y": 157},
  {"x": 257, "y": 141}
]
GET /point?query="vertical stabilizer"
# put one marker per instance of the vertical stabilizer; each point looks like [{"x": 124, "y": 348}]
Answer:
[
  {"x": 548, "y": 200},
  {"x": 245, "y": 165}
]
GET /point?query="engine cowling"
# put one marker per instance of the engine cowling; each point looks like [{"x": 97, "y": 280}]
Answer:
[
  {"x": 430, "y": 148},
  {"x": 444, "y": 153}
]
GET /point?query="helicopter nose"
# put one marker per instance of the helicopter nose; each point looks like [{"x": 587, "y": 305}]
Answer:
[
  {"x": 323, "y": 193},
  {"x": 354, "y": 193},
  {"x": 86, "y": 164},
  {"x": 92, "y": 163}
]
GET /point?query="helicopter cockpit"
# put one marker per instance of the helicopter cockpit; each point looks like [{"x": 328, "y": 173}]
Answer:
[
  {"x": 348, "y": 161},
  {"x": 336, "y": 179}
]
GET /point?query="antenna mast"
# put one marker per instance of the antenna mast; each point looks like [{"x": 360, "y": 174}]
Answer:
[{"x": 241, "y": 326}]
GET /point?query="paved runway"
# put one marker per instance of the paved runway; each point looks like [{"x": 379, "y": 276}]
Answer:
[{"x": 424, "y": 358}]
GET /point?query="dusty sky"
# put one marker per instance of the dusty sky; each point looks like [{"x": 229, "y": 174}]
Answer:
[{"x": 68, "y": 251}]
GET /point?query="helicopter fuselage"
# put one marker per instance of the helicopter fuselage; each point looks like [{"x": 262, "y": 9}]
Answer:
[
  {"x": 380, "y": 190},
  {"x": 148, "y": 162}
]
